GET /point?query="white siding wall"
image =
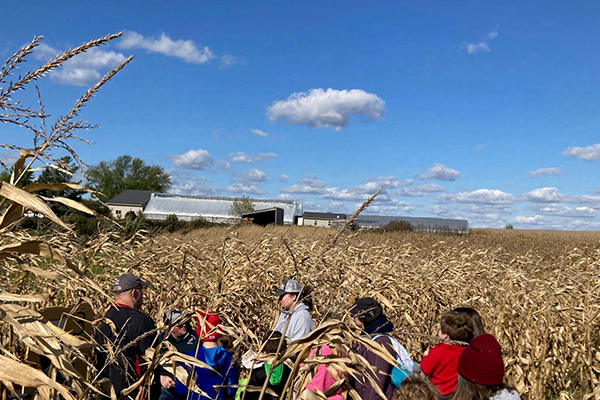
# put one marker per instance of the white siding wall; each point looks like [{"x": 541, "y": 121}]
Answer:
[
  {"x": 120, "y": 211},
  {"x": 327, "y": 223}
]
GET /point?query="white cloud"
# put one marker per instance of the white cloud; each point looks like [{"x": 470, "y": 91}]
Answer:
[
  {"x": 335, "y": 193},
  {"x": 440, "y": 210},
  {"x": 283, "y": 178},
  {"x": 473, "y": 48},
  {"x": 586, "y": 199},
  {"x": 254, "y": 175},
  {"x": 560, "y": 210},
  {"x": 439, "y": 172},
  {"x": 194, "y": 186},
  {"x": 215, "y": 135},
  {"x": 375, "y": 183},
  {"x": 194, "y": 159},
  {"x": 184, "y": 49},
  {"x": 588, "y": 153},
  {"x": 597, "y": 190},
  {"x": 330, "y": 109},
  {"x": 258, "y": 132},
  {"x": 82, "y": 70},
  {"x": 243, "y": 158},
  {"x": 400, "y": 207},
  {"x": 307, "y": 185},
  {"x": 544, "y": 172},
  {"x": 228, "y": 60},
  {"x": 286, "y": 196},
  {"x": 532, "y": 220},
  {"x": 262, "y": 156},
  {"x": 8, "y": 158},
  {"x": 421, "y": 190},
  {"x": 480, "y": 147},
  {"x": 489, "y": 209},
  {"x": 483, "y": 45},
  {"x": 545, "y": 195},
  {"x": 485, "y": 196},
  {"x": 240, "y": 157},
  {"x": 244, "y": 188}
]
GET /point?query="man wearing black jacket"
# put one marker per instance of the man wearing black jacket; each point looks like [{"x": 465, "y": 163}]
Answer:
[{"x": 125, "y": 334}]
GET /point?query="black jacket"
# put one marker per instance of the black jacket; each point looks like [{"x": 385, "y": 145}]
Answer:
[{"x": 133, "y": 335}]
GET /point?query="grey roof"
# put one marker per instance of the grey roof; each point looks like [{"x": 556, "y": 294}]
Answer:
[
  {"x": 214, "y": 208},
  {"x": 322, "y": 215},
  {"x": 422, "y": 224},
  {"x": 131, "y": 198}
]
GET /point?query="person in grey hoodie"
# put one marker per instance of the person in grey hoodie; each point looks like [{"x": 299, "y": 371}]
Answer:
[{"x": 296, "y": 305}]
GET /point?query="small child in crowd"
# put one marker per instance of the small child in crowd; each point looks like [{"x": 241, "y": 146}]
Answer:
[
  {"x": 481, "y": 372},
  {"x": 416, "y": 388},
  {"x": 217, "y": 357},
  {"x": 279, "y": 375},
  {"x": 440, "y": 362}
]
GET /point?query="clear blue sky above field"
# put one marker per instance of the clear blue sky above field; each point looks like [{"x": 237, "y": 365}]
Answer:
[{"x": 481, "y": 110}]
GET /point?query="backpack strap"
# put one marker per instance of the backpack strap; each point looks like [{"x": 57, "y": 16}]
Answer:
[{"x": 402, "y": 355}]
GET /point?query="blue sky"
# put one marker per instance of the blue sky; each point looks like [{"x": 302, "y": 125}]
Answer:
[{"x": 465, "y": 109}]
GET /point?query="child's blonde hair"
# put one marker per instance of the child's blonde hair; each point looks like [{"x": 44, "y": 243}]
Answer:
[{"x": 416, "y": 388}]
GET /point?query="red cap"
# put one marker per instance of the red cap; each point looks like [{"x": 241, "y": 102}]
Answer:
[
  {"x": 481, "y": 362},
  {"x": 208, "y": 323}
]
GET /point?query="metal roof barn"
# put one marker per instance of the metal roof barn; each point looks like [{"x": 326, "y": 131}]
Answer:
[
  {"x": 433, "y": 225},
  {"x": 214, "y": 209}
]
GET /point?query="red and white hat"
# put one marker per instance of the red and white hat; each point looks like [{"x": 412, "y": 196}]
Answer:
[{"x": 208, "y": 326}]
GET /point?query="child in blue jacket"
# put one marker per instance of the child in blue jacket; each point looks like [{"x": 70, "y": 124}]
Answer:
[{"x": 211, "y": 353}]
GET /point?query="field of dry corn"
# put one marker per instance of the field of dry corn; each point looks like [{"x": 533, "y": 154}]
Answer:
[{"x": 537, "y": 291}]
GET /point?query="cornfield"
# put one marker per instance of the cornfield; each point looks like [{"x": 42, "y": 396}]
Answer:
[{"x": 538, "y": 292}]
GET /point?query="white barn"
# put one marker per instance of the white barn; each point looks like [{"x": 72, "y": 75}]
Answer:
[{"x": 210, "y": 208}]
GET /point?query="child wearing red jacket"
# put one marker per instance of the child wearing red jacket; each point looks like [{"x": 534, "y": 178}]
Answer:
[{"x": 440, "y": 362}]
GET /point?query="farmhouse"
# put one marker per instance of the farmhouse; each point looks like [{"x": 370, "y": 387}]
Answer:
[
  {"x": 326, "y": 219},
  {"x": 210, "y": 208},
  {"x": 128, "y": 201}
]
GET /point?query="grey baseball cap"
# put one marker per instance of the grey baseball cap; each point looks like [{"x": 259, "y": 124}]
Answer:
[
  {"x": 288, "y": 286},
  {"x": 127, "y": 282},
  {"x": 172, "y": 315}
]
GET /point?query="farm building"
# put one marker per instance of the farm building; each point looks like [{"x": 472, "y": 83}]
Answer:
[
  {"x": 432, "y": 225},
  {"x": 267, "y": 216},
  {"x": 327, "y": 219},
  {"x": 214, "y": 209},
  {"x": 128, "y": 201}
]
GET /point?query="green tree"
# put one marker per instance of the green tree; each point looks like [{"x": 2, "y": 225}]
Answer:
[
  {"x": 241, "y": 206},
  {"x": 53, "y": 175},
  {"x": 126, "y": 172},
  {"x": 26, "y": 180}
]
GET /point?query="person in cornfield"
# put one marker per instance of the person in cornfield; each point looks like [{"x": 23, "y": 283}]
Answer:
[
  {"x": 296, "y": 305},
  {"x": 183, "y": 338},
  {"x": 124, "y": 336},
  {"x": 368, "y": 315},
  {"x": 215, "y": 383}
]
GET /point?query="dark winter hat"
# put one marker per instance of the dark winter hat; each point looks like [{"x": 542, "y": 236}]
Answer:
[
  {"x": 481, "y": 361},
  {"x": 367, "y": 309},
  {"x": 127, "y": 282},
  {"x": 288, "y": 286}
]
